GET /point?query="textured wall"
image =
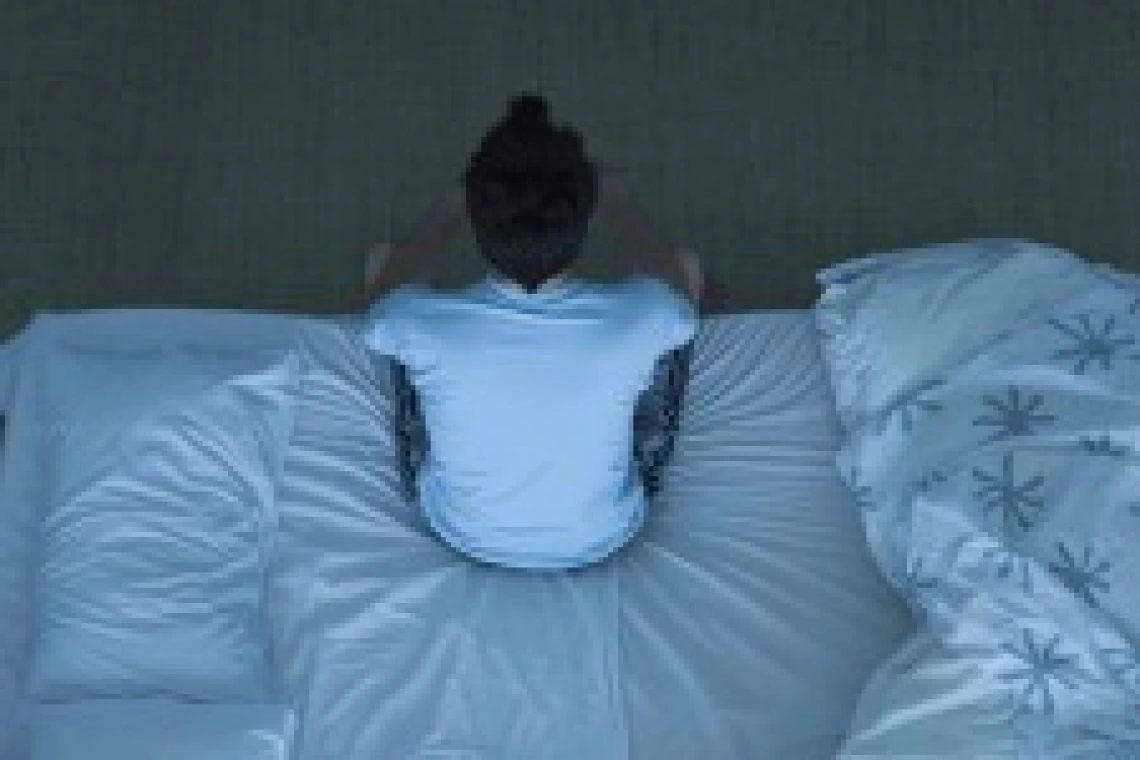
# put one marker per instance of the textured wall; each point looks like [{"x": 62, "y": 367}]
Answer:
[{"x": 237, "y": 153}]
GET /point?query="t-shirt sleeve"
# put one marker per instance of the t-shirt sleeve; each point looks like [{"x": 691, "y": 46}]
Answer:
[
  {"x": 680, "y": 321},
  {"x": 676, "y": 318},
  {"x": 384, "y": 326}
]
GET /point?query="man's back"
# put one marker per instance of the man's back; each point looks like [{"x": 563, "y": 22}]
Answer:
[{"x": 528, "y": 400}]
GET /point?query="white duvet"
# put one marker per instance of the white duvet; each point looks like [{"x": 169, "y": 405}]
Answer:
[{"x": 1003, "y": 500}]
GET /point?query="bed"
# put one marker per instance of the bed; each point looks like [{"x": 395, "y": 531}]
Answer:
[{"x": 796, "y": 592}]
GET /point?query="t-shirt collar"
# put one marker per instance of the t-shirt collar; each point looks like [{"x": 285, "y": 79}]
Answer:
[{"x": 553, "y": 285}]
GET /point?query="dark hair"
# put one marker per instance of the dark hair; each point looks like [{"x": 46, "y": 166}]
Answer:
[{"x": 530, "y": 193}]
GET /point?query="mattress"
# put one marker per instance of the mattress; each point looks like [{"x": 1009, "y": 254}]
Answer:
[{"x": 741, "y": 623}]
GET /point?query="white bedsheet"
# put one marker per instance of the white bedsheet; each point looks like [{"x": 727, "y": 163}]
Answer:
[{"x": 741, "y": 623}]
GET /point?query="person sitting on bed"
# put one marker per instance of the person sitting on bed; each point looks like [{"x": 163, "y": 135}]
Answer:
[{"x": 528, "y": 379}]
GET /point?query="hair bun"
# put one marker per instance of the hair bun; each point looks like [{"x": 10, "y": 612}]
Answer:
[{"x": 529, "y": 110}]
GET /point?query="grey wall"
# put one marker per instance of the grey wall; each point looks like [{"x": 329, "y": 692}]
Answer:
[{"x": 237, "y": 153}]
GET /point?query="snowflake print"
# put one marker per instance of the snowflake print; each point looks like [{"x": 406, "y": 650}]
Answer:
[
  {"x": 1012, "y": 418},
  {"x": 1124, "y": 664},
  {"x": 1116, "y": 747},
  {"x": 927, "y": 482},
  {"x": 1091, "y": 344},
  {"x": 1014, "y": 500},
  {"x": 910, "y": 408},
  {"x": 930, "y": 600},
  {"x": 1123, "y": 749},
  {"x": 1104, "y": 446},
  {"x": 908, "y": 576},
  {"x": 1008, "y": 563},
  {"x": 1081, "y": 578},
  {"x": 1041, "y": 666},
  {"x": 861, "y": 493}
]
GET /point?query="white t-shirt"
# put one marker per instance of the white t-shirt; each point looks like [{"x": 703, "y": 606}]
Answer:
[{"x": 528, "y": 401}]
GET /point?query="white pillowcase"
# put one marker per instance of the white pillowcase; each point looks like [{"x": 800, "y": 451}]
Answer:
[
  {"x": 161, "y": 730},
  {"x": 13, "y": 593},
  {"x": 161, "y": 469},
  {"x": 890, "y": 323}
]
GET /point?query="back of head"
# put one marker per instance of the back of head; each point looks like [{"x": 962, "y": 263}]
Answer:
[{"x": 530, "y": 193}]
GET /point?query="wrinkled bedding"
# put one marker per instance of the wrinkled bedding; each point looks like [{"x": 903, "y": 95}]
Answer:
[
  {"x": 740, "y": 624},
  {"x": 1002, "y": 500}
]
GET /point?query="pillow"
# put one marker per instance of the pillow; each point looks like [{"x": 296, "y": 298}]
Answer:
[
  {"x": 160, "y": 474},
  {"x": 161, "y": 730},
  {"x": 889, "y": 323},
  {"x": 9, "y": 661},
  {"x": 17, "y": 548},
  {"x": 17, "y": 531}
]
